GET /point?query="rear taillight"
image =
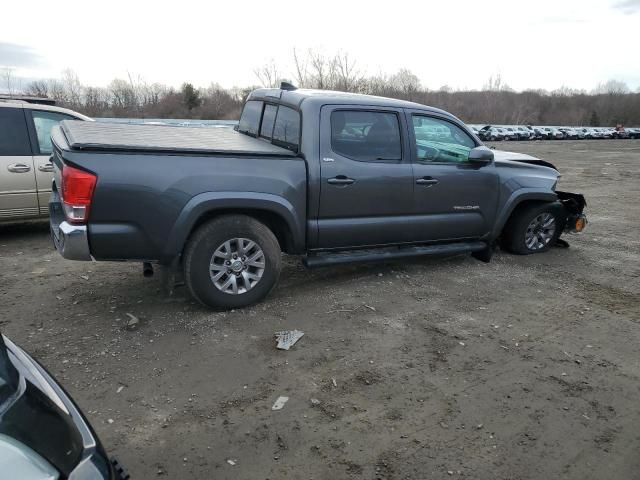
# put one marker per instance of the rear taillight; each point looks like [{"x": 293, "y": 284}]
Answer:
[{"x": 77, "y": 191}]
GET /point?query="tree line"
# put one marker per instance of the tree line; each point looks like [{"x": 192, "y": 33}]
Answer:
[{"x": 609, "y": 104}]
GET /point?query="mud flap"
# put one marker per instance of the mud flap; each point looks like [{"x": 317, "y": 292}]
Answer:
[{"x": 484, "y": 255}]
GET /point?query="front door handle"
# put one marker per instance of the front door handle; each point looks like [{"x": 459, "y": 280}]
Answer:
[
  {"x": 46, "y": 167},
  {"x": 19, "y": 168},
  {"x": 340, "y": 180},
  {"x": 428, "y": 181}
]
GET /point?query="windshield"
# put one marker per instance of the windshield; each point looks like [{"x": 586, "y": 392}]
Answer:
[{"x": 8, "y": 374}]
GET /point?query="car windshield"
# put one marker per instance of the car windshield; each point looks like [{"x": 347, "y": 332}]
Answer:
[{"x": 8, "y": 375}]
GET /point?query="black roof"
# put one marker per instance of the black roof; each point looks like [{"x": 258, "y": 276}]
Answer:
[
  {"x": 29, "y": 99},
  {"x": 323, "y": 97}
]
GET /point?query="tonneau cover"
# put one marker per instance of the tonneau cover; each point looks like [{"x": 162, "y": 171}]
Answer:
[{"x": 161, "y": 138}]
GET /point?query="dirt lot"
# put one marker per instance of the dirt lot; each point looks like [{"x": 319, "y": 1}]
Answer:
[{"x": 436, "y": 368}]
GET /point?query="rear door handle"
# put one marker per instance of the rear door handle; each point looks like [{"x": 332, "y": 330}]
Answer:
[
  {"x": 428, "y": 181},
  {"x": 19, "y": 168},
  {"x": 46, "y": 167},
  {"x": 340, "y": 180}
]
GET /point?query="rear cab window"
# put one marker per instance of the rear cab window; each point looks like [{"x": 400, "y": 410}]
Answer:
[
  {"x": 250, "y": 118},
  {"x": 278, "y": 124}
]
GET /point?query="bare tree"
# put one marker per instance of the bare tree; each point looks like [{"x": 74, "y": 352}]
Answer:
[
  {"x": 268, "y": 75},
  {"x": 347, "y": 75},
  {"x": 38, "y": 88},
  {"x": 7, "y": 78},
  {"x": 72, "y": 86},
  {"x": 612, "y": 87},
  {"x": 301, "y": 74}
]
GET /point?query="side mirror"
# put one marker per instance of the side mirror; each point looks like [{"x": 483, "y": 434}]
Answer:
[{"x": 480, "y": 155}]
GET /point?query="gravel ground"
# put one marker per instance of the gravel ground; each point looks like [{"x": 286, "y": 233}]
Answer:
[{"x": 524, "y": 368}]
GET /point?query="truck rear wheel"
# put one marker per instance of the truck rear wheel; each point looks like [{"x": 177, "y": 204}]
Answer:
[
  {"x": 232, "y": 261},
  {"x": 534, "y": 228}
]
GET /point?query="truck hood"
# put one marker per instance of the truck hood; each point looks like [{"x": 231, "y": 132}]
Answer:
[{"x": 505, "y": 158}]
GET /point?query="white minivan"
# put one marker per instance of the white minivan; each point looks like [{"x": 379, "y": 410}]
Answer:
[{"x": 25, "y": 148}]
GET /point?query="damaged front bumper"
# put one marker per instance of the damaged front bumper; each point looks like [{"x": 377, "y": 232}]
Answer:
[{"x": 574, "y": 204}]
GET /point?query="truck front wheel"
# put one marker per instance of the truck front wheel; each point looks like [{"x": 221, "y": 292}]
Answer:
[
  {"x": 232, "y": 261},
  {"x": 534, "y": 228}
]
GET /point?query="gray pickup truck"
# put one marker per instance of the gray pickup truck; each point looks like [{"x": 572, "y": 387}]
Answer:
[{"x": 331, "y": 176}]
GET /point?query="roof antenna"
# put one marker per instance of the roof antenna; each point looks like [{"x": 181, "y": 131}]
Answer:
[{"x": 287, "y": 86}]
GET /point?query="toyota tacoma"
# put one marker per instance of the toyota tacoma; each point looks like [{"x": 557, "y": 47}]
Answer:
[{"x": 333, "y": 177}]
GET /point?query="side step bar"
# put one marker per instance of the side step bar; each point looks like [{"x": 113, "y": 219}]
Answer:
[{"x": 326, "y": 259}]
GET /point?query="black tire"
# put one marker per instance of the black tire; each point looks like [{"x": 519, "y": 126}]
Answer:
[
  {"x": 210, "y": 237},
  {"x": 515, "y": 231}
]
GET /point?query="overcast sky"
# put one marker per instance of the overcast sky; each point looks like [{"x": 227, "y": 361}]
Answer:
[{"x": 536, "y": 44}]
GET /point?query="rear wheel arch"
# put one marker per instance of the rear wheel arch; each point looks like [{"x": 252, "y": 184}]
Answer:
[
  {"x": 276, "y": 212},
  {"x": 272, "y": 220}
]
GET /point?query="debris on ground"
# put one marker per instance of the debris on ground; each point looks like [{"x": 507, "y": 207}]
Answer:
[
  {"x": 315, "y": 401},
  {"x": 287, "y": 338},
  {"x": 133, "y": 321},
  {"x": 231, "y": 462},
  {"x": 279, "y": 403}
]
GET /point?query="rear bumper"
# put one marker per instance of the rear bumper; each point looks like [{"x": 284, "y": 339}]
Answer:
[{"x": 71, "y": 241}]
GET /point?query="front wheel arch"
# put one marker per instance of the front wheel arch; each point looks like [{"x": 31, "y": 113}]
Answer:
[{"x": 512, "y": 236}]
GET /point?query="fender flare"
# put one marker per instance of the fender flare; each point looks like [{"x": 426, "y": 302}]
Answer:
[
  {"x": 207, "y": 202},
  {"x": 515, "y": 199}
]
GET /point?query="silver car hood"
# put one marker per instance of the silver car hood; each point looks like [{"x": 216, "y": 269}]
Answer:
[{"x": 502, "y": 155}]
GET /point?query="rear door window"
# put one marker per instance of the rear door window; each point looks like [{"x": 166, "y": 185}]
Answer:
[
  {"x": 14, "y": 138},
  {"x": 366, "y": 136},
  {"x": 44, "y": 122},
  {"x": 250, "y": 118}
]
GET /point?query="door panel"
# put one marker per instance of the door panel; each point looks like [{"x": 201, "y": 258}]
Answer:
[
  {"x": 43, "y": 170},
  {"x": 453, "y": 199},
  {"x": 363, "y": 203},
  {"x": 18, "y": 197}
]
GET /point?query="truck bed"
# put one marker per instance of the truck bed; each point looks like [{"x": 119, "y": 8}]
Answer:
[{"x": 94, "y": 136}]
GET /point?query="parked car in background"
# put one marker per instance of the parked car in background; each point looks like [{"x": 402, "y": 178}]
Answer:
[
  {"x": 569, "y": 133},
  {"x": 43, "y": 434},
  {"x": 491, "y": 134},
  {"x": 25, "y": 148},
  {"x": 593, "y": 133},
  {"x": 620, "y": 133},
  {"x": 509, "y": 133},
  {"x": 552, "y": 133},
  {"x": 580, "y": 133},
  {"x": 634, "y": 132},
  {"x": 523, "y": 133}
]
